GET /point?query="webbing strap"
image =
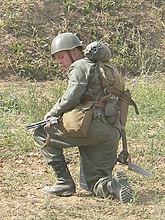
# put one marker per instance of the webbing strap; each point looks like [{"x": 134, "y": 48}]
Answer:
[
  {"x": 131, "y": 102},
  {"x": 70, "y": 56},
  {"x": 135, "y": 106}
]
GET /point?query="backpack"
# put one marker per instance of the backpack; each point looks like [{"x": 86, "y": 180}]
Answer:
[
  {"x": 111, "y": 80},
  {"x": 109, "y": 74}
]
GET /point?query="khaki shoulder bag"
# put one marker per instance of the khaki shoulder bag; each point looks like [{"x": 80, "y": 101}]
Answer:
[{"x": 76, "y": 122}]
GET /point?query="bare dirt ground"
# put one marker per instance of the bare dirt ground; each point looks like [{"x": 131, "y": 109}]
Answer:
[{"x": 22, "y": 179}]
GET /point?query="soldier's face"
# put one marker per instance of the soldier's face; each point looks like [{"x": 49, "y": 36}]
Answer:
[{"x": 63, "y": 59}]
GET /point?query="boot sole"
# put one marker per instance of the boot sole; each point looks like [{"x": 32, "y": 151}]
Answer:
[
  {"x": 126, "y": 192},
  {"x": 65, "y": 194}
]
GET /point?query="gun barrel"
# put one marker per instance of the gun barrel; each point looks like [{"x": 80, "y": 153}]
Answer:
[
  {"x": 34, "y": 125},
  {"x": 53, "y": 120}
]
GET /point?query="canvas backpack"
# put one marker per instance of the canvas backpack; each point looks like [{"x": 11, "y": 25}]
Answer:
[{"x": 111, "y": 80}]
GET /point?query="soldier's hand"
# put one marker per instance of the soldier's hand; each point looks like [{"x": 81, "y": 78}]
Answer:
[{"x": 47, "y": 116}]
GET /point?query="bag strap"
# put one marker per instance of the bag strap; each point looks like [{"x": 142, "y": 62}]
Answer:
[{"x": 126, "y": 97}]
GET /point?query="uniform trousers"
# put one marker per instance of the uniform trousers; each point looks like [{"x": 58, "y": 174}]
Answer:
[{"x": 98, "y": 151}]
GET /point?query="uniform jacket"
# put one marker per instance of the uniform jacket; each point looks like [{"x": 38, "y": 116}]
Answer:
[{"x": 83, "y": 81}]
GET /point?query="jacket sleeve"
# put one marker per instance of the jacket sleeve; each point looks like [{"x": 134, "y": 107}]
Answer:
[{"x": 77, "y": 84}]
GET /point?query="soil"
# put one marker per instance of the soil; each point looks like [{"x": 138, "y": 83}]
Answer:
[{"x": 22, "y": 179}]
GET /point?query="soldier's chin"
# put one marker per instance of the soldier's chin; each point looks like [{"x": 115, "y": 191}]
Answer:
[{"x": 65, "y": 67}]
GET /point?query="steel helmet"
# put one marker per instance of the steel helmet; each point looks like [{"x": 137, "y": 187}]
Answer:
[{"x": 65, "y": 41}]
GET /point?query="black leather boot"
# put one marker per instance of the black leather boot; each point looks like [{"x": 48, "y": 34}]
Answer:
[
  {"x": 120, "y": 187},
  {"x": 64, "y": 185}
]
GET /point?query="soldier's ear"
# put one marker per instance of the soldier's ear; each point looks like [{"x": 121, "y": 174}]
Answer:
[{"x": 74, "y": 51}]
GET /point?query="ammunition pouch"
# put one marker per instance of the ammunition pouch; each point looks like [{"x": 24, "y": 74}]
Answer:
[
  {"x": 117, "y": 108},
  {"x": 112, "y": 111}
]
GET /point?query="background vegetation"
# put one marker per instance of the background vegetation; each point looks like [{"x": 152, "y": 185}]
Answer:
[{"x": 133, "y": 29}]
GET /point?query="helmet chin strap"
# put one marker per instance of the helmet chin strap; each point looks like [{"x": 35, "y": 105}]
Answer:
[{"x": 70, "y": 56}]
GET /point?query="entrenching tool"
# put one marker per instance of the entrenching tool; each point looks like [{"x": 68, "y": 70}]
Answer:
[{"x": 125, "y": 158}]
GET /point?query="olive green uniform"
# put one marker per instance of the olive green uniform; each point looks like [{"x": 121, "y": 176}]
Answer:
[{"x": 98, "y": 150}]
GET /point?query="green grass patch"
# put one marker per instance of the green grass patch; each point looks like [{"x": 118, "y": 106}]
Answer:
[
  {"x": 24, "y": 103},
  {"x": 149, "y": 96}
]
